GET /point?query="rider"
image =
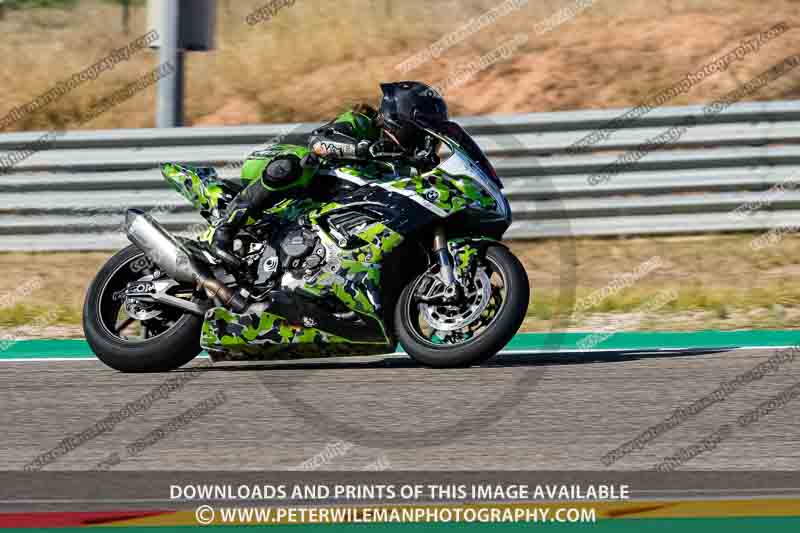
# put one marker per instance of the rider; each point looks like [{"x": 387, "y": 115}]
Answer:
[{"x": 358, "y": 135}]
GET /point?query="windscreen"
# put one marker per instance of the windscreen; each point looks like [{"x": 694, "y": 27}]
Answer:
[{"x": 467, "y": 143}]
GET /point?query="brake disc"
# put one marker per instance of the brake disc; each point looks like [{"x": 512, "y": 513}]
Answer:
[
  {"x": 139, "y": 310},
  {"x": 455, "y": 317}
]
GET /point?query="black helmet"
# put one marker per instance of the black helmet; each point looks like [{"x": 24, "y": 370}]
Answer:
[{"x": 408, "y": 105}]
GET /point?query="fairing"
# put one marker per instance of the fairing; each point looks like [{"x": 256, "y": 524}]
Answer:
[{"x": 371, "y": 216}]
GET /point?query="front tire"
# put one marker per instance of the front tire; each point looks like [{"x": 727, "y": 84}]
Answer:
[
  {"x": 174, "y": 346},
  {"x": 484, "y": 344}
]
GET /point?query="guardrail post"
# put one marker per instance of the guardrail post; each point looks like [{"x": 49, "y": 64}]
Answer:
[{"x": 170, "y": 88}]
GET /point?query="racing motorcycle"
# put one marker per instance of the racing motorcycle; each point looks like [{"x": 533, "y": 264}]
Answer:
[{"x": 369, "y": 256}]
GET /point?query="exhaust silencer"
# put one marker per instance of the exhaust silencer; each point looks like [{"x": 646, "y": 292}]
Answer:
[{"x": 172, "y": 257}]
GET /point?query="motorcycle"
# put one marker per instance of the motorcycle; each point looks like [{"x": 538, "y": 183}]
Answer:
[{"x": 370, "y": 256}]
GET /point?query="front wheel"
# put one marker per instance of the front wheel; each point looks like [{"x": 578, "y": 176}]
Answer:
[
  {"x": 475, "y": 328},
  {"x": 137, "y": 337}
]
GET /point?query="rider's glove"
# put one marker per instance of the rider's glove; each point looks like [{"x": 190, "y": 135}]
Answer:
[{"x": 310, "y": 160}]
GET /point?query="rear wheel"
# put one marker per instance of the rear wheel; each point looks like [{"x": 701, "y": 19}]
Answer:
[
  {"x": 483, "y": 321},
  {"x": 132, "y": 336}
]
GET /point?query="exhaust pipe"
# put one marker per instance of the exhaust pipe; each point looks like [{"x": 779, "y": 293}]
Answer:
[{"x": 170, "y": 255}]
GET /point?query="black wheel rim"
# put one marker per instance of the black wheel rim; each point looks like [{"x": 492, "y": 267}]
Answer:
[{"x": 113, "y": 316}]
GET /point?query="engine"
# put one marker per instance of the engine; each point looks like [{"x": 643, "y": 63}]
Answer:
[{"x": 299, "y": 251}]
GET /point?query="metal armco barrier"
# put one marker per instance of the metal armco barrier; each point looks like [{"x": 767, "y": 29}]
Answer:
[{"x": 72, "y": 195}]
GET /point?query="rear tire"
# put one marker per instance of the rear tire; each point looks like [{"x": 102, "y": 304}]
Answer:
[
  {"x": 167, "y": 351},
  {"x": 485, "y": 345}
]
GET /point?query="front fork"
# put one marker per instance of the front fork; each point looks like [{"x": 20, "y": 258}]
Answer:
[{"x": 446, "y": 268}]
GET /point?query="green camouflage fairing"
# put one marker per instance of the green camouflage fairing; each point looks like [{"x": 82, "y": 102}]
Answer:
[
  {"x": 448, "y": 193},
  {"x": 266, "y": 335},
  {"x": 352, "y": 275},
  {"x": 207, "y": 192}
]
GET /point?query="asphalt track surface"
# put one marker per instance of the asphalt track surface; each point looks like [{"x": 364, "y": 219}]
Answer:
[{"x": 519, "y": 412}]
